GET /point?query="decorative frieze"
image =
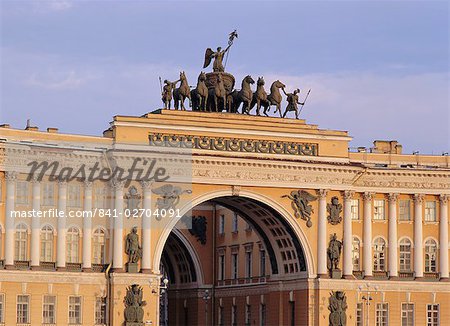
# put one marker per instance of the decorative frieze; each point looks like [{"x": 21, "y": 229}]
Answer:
[{"x": 233, "y": 144}]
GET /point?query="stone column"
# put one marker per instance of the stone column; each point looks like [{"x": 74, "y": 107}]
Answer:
[
  {"x": 61, "y": 237},
  {"x": 322, "y": 235},
  {"x": 118, "y": 226},
  {"x": 418, "y": 236},
  {"x": 348, "y": 241},
  {"x": 443, "y": 237},
  {"x": 87, "y": 228},
  {"x": 392, "y": 238},
  {"x": 36, "y": 225},
  {"x": 9, "y": 219},
  {"x": 367, "y": 235},
  {"x": 146, "y": 227}
]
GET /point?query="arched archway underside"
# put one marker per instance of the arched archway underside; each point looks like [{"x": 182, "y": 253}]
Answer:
[{"x": 283, "y": 247}]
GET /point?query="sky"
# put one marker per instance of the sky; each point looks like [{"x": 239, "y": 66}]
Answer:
[{"x": 378, "y": 69}]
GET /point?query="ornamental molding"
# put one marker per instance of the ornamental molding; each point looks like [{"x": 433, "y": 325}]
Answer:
[{"x": 233, "y": 144}]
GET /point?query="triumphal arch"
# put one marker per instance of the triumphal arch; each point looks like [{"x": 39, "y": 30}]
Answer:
[{"x": 210, "y": 217}]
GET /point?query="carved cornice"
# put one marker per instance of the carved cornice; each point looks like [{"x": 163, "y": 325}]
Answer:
[
  {"x": 443, "y": 199},
  {"x": 235, "y": 190},
  {"x": 233, "y": 144}
]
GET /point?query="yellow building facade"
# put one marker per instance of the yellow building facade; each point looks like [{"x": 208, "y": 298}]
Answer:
[{"x": 250, "y": 256}]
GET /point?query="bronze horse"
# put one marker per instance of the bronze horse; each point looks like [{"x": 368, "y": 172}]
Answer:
[
  {"x": 260, "y": 97},
  {"x": 244, "y": 96},
  {"x": 275, "y": 96},
  {"x": 220, "y": 93},
  {"x": 199, "y": 95},
  {"x": 182, "y": 92}
]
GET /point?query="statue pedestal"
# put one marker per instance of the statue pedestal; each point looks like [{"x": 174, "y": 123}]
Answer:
[
  {"x": 336, "y": 274},
  {"x": 132, "y": 268}
]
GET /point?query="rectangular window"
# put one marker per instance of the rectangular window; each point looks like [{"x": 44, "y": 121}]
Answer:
[
  {"x": 48, "y": 309},
  {"x": 430, "y": 211},
  {"x": 404, "y": 210},
  {"x": 23, "y": 309},
  {"x": 248, "y": 315},
  {"x": 221, "y": 275},
  {"x": 262, "y": 263},
  {"x": 100, "y": 311},
  {"x": 262, "y": 314},
  {"x": 382, "y": 314},
  {"x": 235, "y": 223},
  {"x": 74, "y": 310},
  {"x": 354, "y": 209},
  {"x": 74, "y": 195},
  {"x": 407, "y": 314},
  {"x": 100, "y": 197},
  {"x": 248, "y": 264},
  {"x": 222, "y": 224},
  {"x": 2, "y": 308},
  {"x": 220, "y": 316},
  {"x": 22, "y": 192},
  {"x": 433, "y": 317},
  {"x": 378, "y": 209},
  {"x": 359, "y": 314},
  {"x": 233, "y": 315},
  {"x": 234, "y": 266},
  {"x": 48, "y": 194}
]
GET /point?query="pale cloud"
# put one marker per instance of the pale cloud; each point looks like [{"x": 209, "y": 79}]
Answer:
[
  {"x": 44, "y": 6},
  {"x": 58, "y": 80}
]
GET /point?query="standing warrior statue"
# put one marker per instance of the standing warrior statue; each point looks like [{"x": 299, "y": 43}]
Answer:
[
  {"x": 167, "y": 92},
  {"x": 219, "y": 54},
  {"x": 292, "y": 99},
  {"x": 132, "y": 247}
]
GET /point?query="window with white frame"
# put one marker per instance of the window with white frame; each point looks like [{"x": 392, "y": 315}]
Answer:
[
  {"x": 98, "y": 246},
  {"x": 354, "y": 209},
  {"x": 73, "y": 195},
  {"x": 430, "y": 211},
  {"x": 100, "y": 311},
  {"x": 407, "y": 314},
  {"x": 21, "y": 243},
  {"x": 2, "y": 308},
  {"x": 48, "y": 194},
  {"x": 379, "y": 254},
  {"x": 262, "y": 314},
  {"x": 248, "y": 315},
  {"x": 433, "y": 318},
  {"x": 430, "y": 256},
  {"x": 49, "y": 309},
  {"x": 221, "y": 224},
  {"x": 234, "y": 265},
  {"x": 378, "y": 209},
  {"x": 235, "y": 223},
  {"x": 22, "y": 192},
  {"x": 221, "y": 271},
  {"x": 74, "y": 310},
  {"x": 23, "y": 309},
  {"x": 72, "y": 245},
  {"x": 405, "y": 255},
  {"x": 404, "y": 210},
  {"x": 262, "y": 262},
  {"x": 46, "y": 244},
  {"x": 356, "y": 254},
  {"x": 248, "y": 262},
  {"x": 382, "y": 314},
  {"x": 100, "y": 197},
  {"x": 359, "y": 314}
]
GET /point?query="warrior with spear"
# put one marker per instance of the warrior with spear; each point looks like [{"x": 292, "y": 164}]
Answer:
[{"x": 219, "y": 54}]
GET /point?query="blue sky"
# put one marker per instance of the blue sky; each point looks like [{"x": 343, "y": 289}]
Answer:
[{"x": 379, "y": 69}]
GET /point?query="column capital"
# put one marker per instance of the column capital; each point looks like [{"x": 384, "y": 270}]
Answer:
[
  {"x": 62, "y": 183},
  {"x": 348, "y": 194},
  {"x": 322, "y": 193},
  {"x": 392, "y": 197},
  {"x": 11, "y": 175},
  {"x": 87, "y": 184},
  {"x": 444, "y": 198},
  {"x": 146, "y": 185},
  {"x": 368, "y": 195},
  {"x": 117, "y": 184},
  {"x": 35, "y": 179},
  {"x": 418, "y": 198}
]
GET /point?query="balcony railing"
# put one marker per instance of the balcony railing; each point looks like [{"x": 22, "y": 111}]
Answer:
[
  {"x": 22, "y": 264},
  {"x": 73, "y": 267},
  {"x": 243, "y": 280},
  {"x": 98, "y": 268},
  {"x": 380, "y": 274},
  {"x": 431, "y": 276},
  {"x": 406, "y": 275},
  {"x": 47, "y": 265},
  {"x": 358, "y": 274}
]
